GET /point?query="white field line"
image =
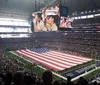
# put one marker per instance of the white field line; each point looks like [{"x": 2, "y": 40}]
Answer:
[{"x": 62, "y": 77}]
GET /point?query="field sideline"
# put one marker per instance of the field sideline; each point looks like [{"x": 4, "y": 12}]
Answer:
[
  {"x": 57, "y": 74},
  {"x": 54, "y": 60}
]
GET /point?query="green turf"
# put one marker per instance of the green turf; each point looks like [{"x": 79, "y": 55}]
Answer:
[
  {"x": 26, "y": 63},
  {"x": 40, "y": 71}
]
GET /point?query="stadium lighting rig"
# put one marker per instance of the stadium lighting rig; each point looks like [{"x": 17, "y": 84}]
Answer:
[{"x": 47, "y": 3}]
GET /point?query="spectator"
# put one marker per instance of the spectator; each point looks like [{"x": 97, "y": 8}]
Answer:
[
  {"x": 47, "y": 78},
  {"x": 56, "y": 82},
  {"x": 82, "y": 81},
  {"x": 69, "y": 81},
  {"x": 18, "y": 78},
  {"x": 95, "y": 83},
  {"x": 1, "y": 78},
  {"x": 28, "y": 80},
  {"x": 8, "y": 79}
]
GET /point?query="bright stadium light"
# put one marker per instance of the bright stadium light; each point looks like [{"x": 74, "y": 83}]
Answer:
[
  {"x": 97, "y": 15},
  {"x": 90, "y": 16},
  {"x": 83, "y": 17}
]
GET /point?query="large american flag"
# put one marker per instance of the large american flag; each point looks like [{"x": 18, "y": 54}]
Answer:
[{"x": 52, "y": 59}]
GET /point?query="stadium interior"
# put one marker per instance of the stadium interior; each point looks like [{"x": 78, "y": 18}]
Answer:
[{"x": 54, "y": 42}]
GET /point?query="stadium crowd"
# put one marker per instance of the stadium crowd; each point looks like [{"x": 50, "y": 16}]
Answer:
[
  {"x": 77, "y": 38},
  {"x": 79, "y": 43},
  {"x": 11, "y": 73},
  {"x": 86, "y": 23},
  {"x": 72, "y": 42}
]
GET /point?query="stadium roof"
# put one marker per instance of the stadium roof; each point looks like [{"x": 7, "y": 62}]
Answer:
[
  {"x": 82, "y": 5},
  {"x": 23, "y": 9}
]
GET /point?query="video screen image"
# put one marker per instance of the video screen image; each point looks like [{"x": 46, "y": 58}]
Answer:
[
  {"x": 63, "y": 11},
  {"x": 51, "y": 19},
  {"x": 65, "y": 22},
  {"x": 47, "y": 19}
]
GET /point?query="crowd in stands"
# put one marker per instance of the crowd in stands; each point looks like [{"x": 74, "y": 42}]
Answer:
[
  {"x": 73, "y": 42},
  {"x": 13, "y": 74},
  {"x": 7, "y": 65},
  {"x": 87, "y": 23},
  {"x": 87, "y": 43}
]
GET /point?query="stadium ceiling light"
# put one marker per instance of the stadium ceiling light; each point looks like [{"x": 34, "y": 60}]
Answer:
[
  {"x": 93, "y": 10},
  {"x": 47, "y": 3},
  {"x": 97, "y": 15}
]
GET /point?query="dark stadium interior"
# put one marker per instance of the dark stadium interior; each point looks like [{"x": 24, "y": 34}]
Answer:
[{"x": 69, "y": 55}]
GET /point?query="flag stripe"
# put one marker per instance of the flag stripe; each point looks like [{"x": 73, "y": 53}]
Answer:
[
  {"x": 66, "y": 57},
  {"x": 46, "y": 60},
  {"x": 54, "y": 60},
  {"x": 63, "y": 58},
  {"x": 52, "y": 66},
  {"x": 70, "y": 56},
  {"x": 73, "y": 56}
]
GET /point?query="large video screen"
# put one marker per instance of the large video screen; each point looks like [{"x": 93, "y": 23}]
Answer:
[
  {"x": 63, "y": 11},
  {"x": 65, "y": 21},
  {"x": 51, "y": 19},
  {"x": 47, "y": 19}
]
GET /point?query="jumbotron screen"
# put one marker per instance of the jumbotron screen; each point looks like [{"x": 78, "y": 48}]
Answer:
[
  {"x": 51, "y": 19},
  {"x": 47, "y": 19},
  {"x": 65, "y": 21}
]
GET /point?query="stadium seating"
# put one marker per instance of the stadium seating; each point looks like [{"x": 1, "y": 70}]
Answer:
[
  {"x": 86, "y": 23},
  {"x": 83, "y": 43},
  {"x": 12, "y": 70}
]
